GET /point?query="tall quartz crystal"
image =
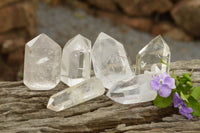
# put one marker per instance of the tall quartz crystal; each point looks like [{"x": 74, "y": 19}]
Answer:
[
  {"x": 77, "y": 94},
  {"x": 76, "y": 60},
  {"x": 135, "y": 89},
  {"x": 109, "y": 60},
  {"x": 152, "y": 53},
  {"x": 42, "y": 63}
]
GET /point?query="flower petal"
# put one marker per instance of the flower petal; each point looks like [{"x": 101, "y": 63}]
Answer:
[
  {"x": 165, "y": 91},
  {"x": 177, "y": 100},
  {"x": 189, "y": 116},
  {"x": 184, "y": 112},
  {"x": 186, "y": 109},
  {"x": 154, "y": 85},
  {"x": 156, "y": 78},
  {"x": 170, "y": 82},
  {"x": 161, "y": 76},
  {"x": 164, "y": 75},
  {"x": 167, "y": 74},
  {"x": 189, "y": 110}
]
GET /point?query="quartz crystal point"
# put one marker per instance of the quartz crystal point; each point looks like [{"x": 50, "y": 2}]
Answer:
[
  {"x": 76, "y": 61},
  {"x": 42, "y": 63},
  {"x": 82, "y": 92},
  {"x": 151, "y": 54},
  {"x": 133, "y": 90},
  {"x": 109, "y": 60}
]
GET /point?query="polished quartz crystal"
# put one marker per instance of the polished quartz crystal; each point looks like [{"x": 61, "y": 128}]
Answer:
[
  {"x": 151, "y": 54},
  {"x": 42, "y": 63},
  {"x": 77, "y": 94},
  {"x": 109, "y": 60},
  {"x": 76, "y": 61},
  {"x": 136, "y": 89}
]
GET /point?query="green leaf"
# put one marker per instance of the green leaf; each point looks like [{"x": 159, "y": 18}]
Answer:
[
  {"x": 187, "y": 76},
  {"x": 187, "y": 88},
  {"x": 195, "y": 93},
  {"x": 189, "y": 83},
  {"x": 183, "y": 80},
  {"x": 176, "y": 82},
  {"x": 162, "y": 102},
  {"x": 195, "y": 105},
  {"x": 182, "y": 89},
  {"x": 184, "y": 97},
  {"x": 183, "y": 84}
]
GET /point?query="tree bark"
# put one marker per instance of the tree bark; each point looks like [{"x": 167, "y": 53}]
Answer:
[{"x": 23, "y": 110}]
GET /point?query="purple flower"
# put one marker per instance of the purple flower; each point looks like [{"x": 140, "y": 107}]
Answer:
[
  {"x": 163, "y": 83},
  {"x": 183, "y": 109}
]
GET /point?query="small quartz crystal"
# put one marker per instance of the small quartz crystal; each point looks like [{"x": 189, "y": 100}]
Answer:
[
  {"x": 110, "y": 60},
  {"x": 82, "y": 92},
  {"x": 136, "y": 89},
  {"x": 76, "y": 61},
  {"x": 42, "y": 63},
  {"x": 152, "y": 54}
]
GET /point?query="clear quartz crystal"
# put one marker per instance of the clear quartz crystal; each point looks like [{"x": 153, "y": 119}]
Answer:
[
  {"x": 152, "y": 53},
  {"x": 42, "y": 63},
  {"x": 154, "y": 70},
  {"x": 110, "y": 60},
  {"x": 136, "y": 89},
  {"x": 77, "y": 94},
  {"x": 76, "y": 61}
]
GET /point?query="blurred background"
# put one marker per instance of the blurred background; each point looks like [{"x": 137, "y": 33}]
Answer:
[{"x": 132, "y": 22}]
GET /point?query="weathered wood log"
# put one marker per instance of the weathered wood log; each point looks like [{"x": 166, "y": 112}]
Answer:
[{"x": 24, "y": 110}]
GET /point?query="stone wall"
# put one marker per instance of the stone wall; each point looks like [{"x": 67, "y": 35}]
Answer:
[
  {"x": 176, "y": 19},
  {"x": 17, "y": 26}
]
